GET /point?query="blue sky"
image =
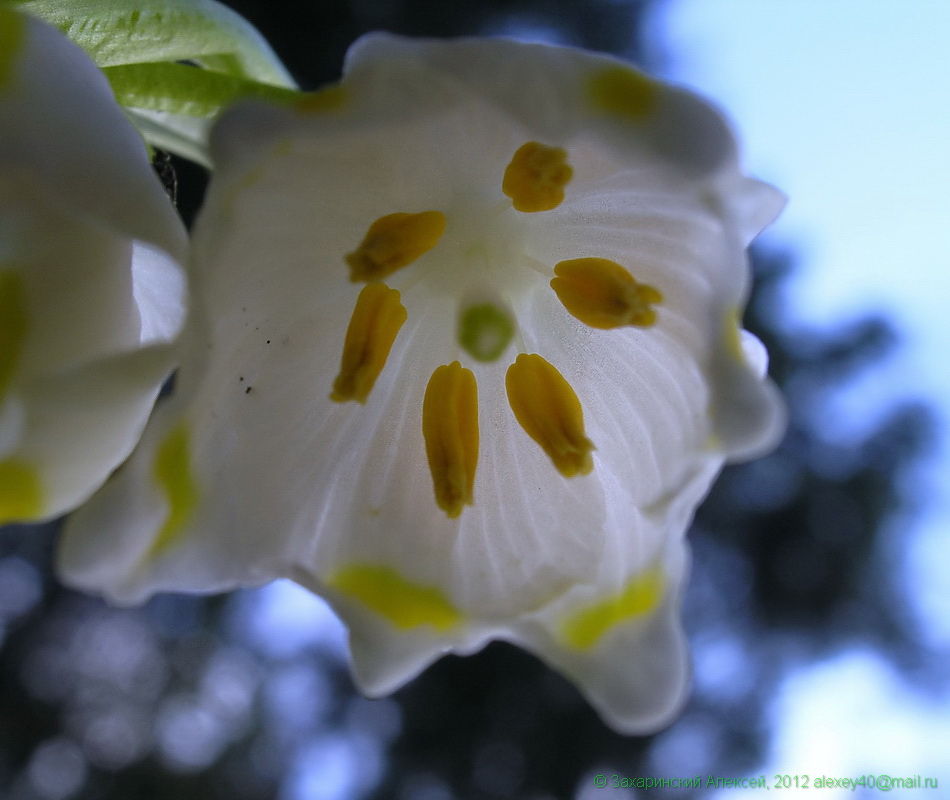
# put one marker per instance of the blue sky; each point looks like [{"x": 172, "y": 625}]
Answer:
[{"x": 844, "y": 104}]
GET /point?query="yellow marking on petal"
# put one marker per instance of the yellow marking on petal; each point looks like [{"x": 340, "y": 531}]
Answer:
[
  {"x": 485, "y": 331},
  {"x": 732, "y": 336},
  {"x": 173, "y": 473},
  {"x": 405, "y": 604},
  {"x": 394, "y": 242},
  {"x": 376, "y": 321},
  {"x": 548, "y": 410},
  {"x": 12, "y": 39},
  {"x": 536, "y": 177},
  {"x": 330, "y": 98},
  {"x": 13, "y": 325},
  {"x": 623, "y": 91},
  {"x": 583, "y": 629},
  {"x": 21, "y": 491},
  {"x": 450, "y": 429},
  {"x": 602, "y": 294}
]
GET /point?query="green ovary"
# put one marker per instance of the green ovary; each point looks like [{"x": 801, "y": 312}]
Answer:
[{"x": 485, "y": 331}]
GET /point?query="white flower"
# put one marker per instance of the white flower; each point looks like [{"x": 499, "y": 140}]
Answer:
[
  {"x": 465, "y": 359},
  {"x": 90, "y": 290}
]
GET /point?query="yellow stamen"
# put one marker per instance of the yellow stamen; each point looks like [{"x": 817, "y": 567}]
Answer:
[
  {"x": 547, "y": 408},
  {"x": 404, "y": 603},
  {"x": 21, "y": 492},
  {"x": 376, "y": 320},
  {"x": 584, "y": 628},
  {"x": 624, "y": 91},
  {"x": 393, "y": 242},
  {"x": 536, "y": 177},
  {"x": 450, "y": 429},
  {"x": 13, "y": 325},
  {"x": 172, "y": 472},
  {"x": 602, "y": 294},
  {"x": 12, "y": 39}
]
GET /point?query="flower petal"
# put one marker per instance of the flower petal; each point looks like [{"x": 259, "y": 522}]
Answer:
[
  {"x": 92, "y": 291},
  {"x": 583, "y": 562},
  {"x": 563, "y": 93},
  {"x": 622, "y": 644},
  {"x": 111, "y": 181}
]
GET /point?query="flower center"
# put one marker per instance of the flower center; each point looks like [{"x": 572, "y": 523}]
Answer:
[{"x": 473, "y": 254}]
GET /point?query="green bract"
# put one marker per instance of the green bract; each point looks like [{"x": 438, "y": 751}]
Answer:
[{"x": 140, "y": 45}]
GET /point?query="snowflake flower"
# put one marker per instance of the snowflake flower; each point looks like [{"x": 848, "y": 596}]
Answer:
[
  {"x": 91, "y": 292},
  {"x": 466, "y": 357}
]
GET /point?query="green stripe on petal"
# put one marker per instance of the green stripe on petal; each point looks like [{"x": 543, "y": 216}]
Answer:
[
  {"x": 583, "y": 629},
  {"x": 732, "y": 335},
  {"x": 404, "y": 603},
  {"x": 183, "y": 89},
  {"x": 12, "y": 38},
  {"x": 624, "y": 92},
  {"x": 13, "y": 323},
  {"x": 172, "y": 472},
  {"x": 21, "y": 492}
]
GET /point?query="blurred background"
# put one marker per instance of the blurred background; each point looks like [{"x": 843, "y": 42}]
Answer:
[{"x": 818, "y": 610}]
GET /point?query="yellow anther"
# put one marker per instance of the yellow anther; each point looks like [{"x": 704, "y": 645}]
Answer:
[
  {"x": 602, "y": 294},
  {"x": 547, "y": 408},
  {"x": 172, "y": 472},
  {"x": 330, "y": 98},
  {"x": 450, "y": 429},
  {"x": 12, "y": 39},
  {"x": 623, "y": 91},
  {"x": 405, "y": 604},
  {"x": 393, "y": 242},
  {"x": 13, "y": 325},
  {"x": 584, "y": 628},
  {"x": 536, "y": 177},
  {"x": 21, "y": 492},
  {"x": 376, "y": 320}
]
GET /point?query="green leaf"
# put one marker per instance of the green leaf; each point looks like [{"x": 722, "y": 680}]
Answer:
[
  {"x": 183, "y": 89},
  {"x": 173, "y": 105},
  {"x": 119, "y": 32}
]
